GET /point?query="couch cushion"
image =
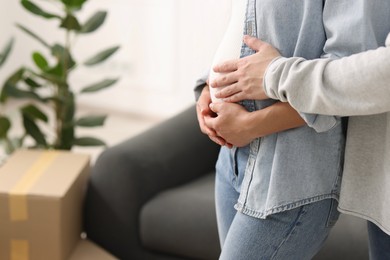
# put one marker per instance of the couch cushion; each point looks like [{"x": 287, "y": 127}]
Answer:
[{"x": 182, "y": 221}]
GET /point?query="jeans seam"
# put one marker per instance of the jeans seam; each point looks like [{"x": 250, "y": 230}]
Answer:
[
  {"x": 302, "y": 212},
  {"x": 329, "y": 221}
]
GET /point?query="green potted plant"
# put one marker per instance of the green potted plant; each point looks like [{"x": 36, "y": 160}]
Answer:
[
  {"x": 5, "y": 123},
  {"x": 51, "y": 105}
]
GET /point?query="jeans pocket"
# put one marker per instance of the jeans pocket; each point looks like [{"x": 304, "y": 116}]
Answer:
[
  {"x": 234, "y": 152},
  {"x": 333, "y": 215}
]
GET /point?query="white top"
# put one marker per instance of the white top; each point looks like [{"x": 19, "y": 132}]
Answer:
[{"x": 230, "y": 46}]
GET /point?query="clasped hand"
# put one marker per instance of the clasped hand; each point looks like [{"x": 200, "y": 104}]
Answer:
[{"x": 228, "y": 123}]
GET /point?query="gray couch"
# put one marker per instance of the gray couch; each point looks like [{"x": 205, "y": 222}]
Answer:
[{"x": 151, "y": 197}]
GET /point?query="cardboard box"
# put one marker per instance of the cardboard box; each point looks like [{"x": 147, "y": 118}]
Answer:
[
  {"x": 41, "y": 196},
  {"x": 87, "y": 250}
]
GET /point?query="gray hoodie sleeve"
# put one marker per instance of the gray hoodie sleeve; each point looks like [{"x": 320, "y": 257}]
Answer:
[
  {"x": 347, "y": 35},
  {"x": 354, "y": 85},
  {"x": 200, "y": 84}
]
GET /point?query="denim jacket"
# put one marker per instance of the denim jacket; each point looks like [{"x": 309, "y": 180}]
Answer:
[{"x": 302, "y": 165}]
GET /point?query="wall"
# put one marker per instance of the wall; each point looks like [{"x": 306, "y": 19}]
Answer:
[{"x": 165, "y": 46}]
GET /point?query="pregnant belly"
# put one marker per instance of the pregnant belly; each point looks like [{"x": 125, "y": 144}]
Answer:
[{"x": 230, "y": 46}]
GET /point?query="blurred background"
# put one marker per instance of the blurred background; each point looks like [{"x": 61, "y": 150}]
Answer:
[{"x": 165, "y": 46}]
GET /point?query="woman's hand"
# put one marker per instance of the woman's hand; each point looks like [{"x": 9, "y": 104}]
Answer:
[
  {"x": 204, "y": 112},
  {"x": 243, "y": 78},
  {"x": 239, "y": 127},
  {"x": 233, "y": 123}
]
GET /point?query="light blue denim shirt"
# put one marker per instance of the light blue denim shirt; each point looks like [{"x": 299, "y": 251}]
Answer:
[{"x": 303, "y": 165}]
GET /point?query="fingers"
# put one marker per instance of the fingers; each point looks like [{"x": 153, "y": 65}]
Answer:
[
  {"x": 218, "y": 140},
  {"x": 215, "y": 107},
  {"x": 203, "y": 127},
  {"x": 225, "y": 80},
  {"x": 209, "y": 122},
  {"x": 227, "y": 66},
  {"x": 204, "y": 101},
  {"x": 253, "y": 43},
  {"x": 236, "y": 97},
  {"x": 227, "y": 92},
  {"x": 204, "y": 112},
  {"x": 231, "y": 94},
  {"x": 203, "y": 109}
]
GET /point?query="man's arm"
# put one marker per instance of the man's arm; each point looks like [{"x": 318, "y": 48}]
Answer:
[
  {"x": 354, "y": 85},
  {"x": 239, "y": 127},
  {"x": 243, "y": 78}
]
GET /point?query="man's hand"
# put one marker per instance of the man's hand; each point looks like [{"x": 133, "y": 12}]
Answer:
[
  {"x": 204, "y": 112},
  {"x": 243, "y": 78}
]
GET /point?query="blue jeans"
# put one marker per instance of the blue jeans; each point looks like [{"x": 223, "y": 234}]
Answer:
[
  {"x": 298, "y": 233},
  {"x": 379, "y": 243}
]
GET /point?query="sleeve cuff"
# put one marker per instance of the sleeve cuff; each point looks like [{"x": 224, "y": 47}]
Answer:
[
  {"x": 270, "y": 84},
  {"x": 320, "y": 123}
]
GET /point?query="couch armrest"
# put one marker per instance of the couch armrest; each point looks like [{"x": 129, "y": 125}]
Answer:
[{"x": 129, "y": 174}]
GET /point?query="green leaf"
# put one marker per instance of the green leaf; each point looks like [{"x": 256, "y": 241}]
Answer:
[
  {"x": 94, "y": 22},
  {"x": 91, "y": 121},
  {"x": 101, "y": 56},
  {"x": 13, "y": 91},
  {"x": 73, "y": 4},
  {"x": 40, "y": 61},
  {"x": 6, "y": 51},
  {"x": 99, "y": 86},
  {"x": 31, "y": 83},
  {"x": 34, "y": 112},
  {"x": 88, "y": 141},
  {"x": 16, "y": 76},
  {"x": 5, "y": 125},
  {"x": 53, "y": 99},
  {"x": 52, "y": 75},
  {"x": 63, "y": 56},
  {"x": 55, "y": 74},
  {"x": 70, "y": 23},
  {"x": 10, "y": 85},
  {"x": 33, "y": 130},
  {"x": 35, "y": 36},
  {"x": 33, "y": 8},
  {"x": 10, "y": 88}
]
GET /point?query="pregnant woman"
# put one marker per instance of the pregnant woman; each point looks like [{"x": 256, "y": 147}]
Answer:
[{"x": 276, "y": 193}]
